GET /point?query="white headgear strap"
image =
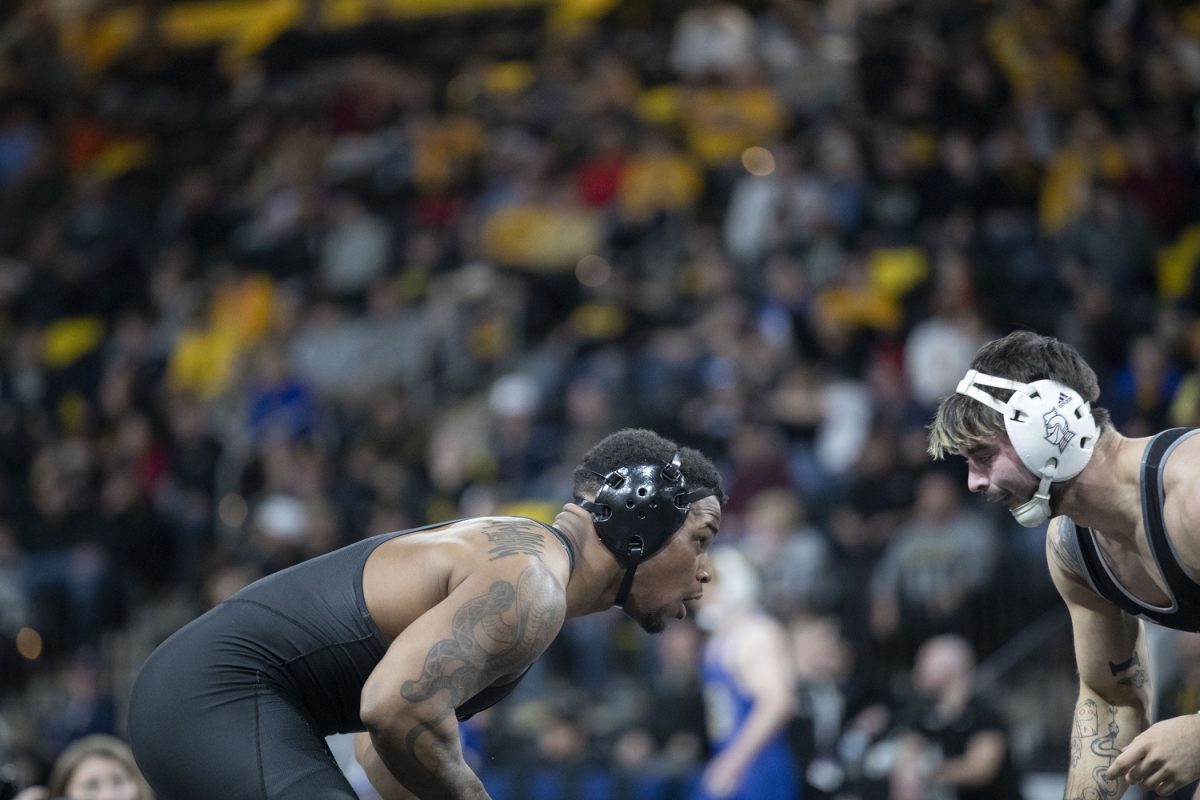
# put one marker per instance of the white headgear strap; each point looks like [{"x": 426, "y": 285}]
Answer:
[{"x": 1051, "y": 429}]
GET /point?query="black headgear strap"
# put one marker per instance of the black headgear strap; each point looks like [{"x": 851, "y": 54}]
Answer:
[{"x": 638, "y": 509}]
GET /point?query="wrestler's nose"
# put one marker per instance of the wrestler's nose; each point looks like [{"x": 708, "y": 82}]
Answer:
[{"x": 977, "y": 479}]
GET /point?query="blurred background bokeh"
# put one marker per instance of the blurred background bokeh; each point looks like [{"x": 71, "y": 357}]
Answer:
[{"x": 276, "y": 275}]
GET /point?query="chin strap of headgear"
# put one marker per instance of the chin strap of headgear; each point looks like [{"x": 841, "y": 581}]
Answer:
[{"x": 1036, "y": 510}]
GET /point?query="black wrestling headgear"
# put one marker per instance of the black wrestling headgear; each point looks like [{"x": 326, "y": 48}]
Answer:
[{"x": 638, "y": 509}]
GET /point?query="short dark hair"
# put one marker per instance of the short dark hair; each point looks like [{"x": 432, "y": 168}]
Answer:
[
  {"x": 633, "y": 446},
  {"x": 1022, "y": 356}
]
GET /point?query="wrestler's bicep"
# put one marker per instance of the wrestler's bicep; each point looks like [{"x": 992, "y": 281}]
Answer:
[{"x": 490, "y": 626}]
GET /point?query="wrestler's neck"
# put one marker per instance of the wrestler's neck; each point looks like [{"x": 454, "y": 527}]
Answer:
[
  {"x": 1106, "y": 496},
  {"x": 593, "y": 585}
]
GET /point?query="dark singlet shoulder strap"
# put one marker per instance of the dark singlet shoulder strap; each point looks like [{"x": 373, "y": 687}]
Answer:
[
  {"x": 1184, "y": 611},
  {"x": 1102, "y": 580},
  {"x": 428, "y": 527},
  {"x": 562, "y": 537},
  {"x": 1185, "y": 590},
  {"x": 369, "y": 544}
]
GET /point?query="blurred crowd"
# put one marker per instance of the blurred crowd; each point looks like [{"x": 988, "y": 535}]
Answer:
[{"x": 257, "y": 306}]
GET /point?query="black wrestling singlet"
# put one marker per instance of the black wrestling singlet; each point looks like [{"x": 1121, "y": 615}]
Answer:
[
  {"x": 1184, "y": 611},
  {"x": 236, "y": 704}
]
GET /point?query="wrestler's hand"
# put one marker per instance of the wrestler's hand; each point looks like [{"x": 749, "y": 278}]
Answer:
[
  {"x": 387, "y": 787},
  {"x": 1163, "y": 758},
  {"x": 723, "y": 776},
  {"x": 33, "y": 793}
]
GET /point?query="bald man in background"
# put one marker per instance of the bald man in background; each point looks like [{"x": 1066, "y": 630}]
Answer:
[{"x": 958, "y": 741}]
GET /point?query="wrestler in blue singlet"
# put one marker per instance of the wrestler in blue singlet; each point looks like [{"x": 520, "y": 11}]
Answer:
[{"x": 774, "y": 774}]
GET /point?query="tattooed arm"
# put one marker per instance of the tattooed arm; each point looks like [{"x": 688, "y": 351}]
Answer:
[
  {"x": 387, "y": 787},
  {"x": 1114, "y": 692},
  {"x": 488, "y": 630}
]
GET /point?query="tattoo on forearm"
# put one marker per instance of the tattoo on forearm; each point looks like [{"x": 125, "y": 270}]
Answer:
[
  {"x": 1102, "y": 749},
  {"x": 1084, "y": 728},
  {"x": 513, "y": 538},
  {"x": 497, "y": 633}
]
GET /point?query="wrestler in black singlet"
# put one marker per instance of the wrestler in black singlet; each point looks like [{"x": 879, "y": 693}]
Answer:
[
  {"x": 236, "y": 705},
  {"x": 1184, "y": 611}
]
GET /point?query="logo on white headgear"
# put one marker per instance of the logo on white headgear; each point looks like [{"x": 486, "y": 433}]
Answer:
[{"x": 1058, "y": 431}]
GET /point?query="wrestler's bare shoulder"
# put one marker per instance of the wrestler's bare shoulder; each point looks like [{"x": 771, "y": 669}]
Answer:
[{"x": 407, "y": 575}]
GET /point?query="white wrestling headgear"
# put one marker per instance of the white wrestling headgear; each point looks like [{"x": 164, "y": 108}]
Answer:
[{"x": 1050, "y": 426}]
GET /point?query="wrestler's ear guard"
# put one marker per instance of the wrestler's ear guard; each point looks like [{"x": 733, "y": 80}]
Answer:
[{"x": 1051, "y": 429}]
